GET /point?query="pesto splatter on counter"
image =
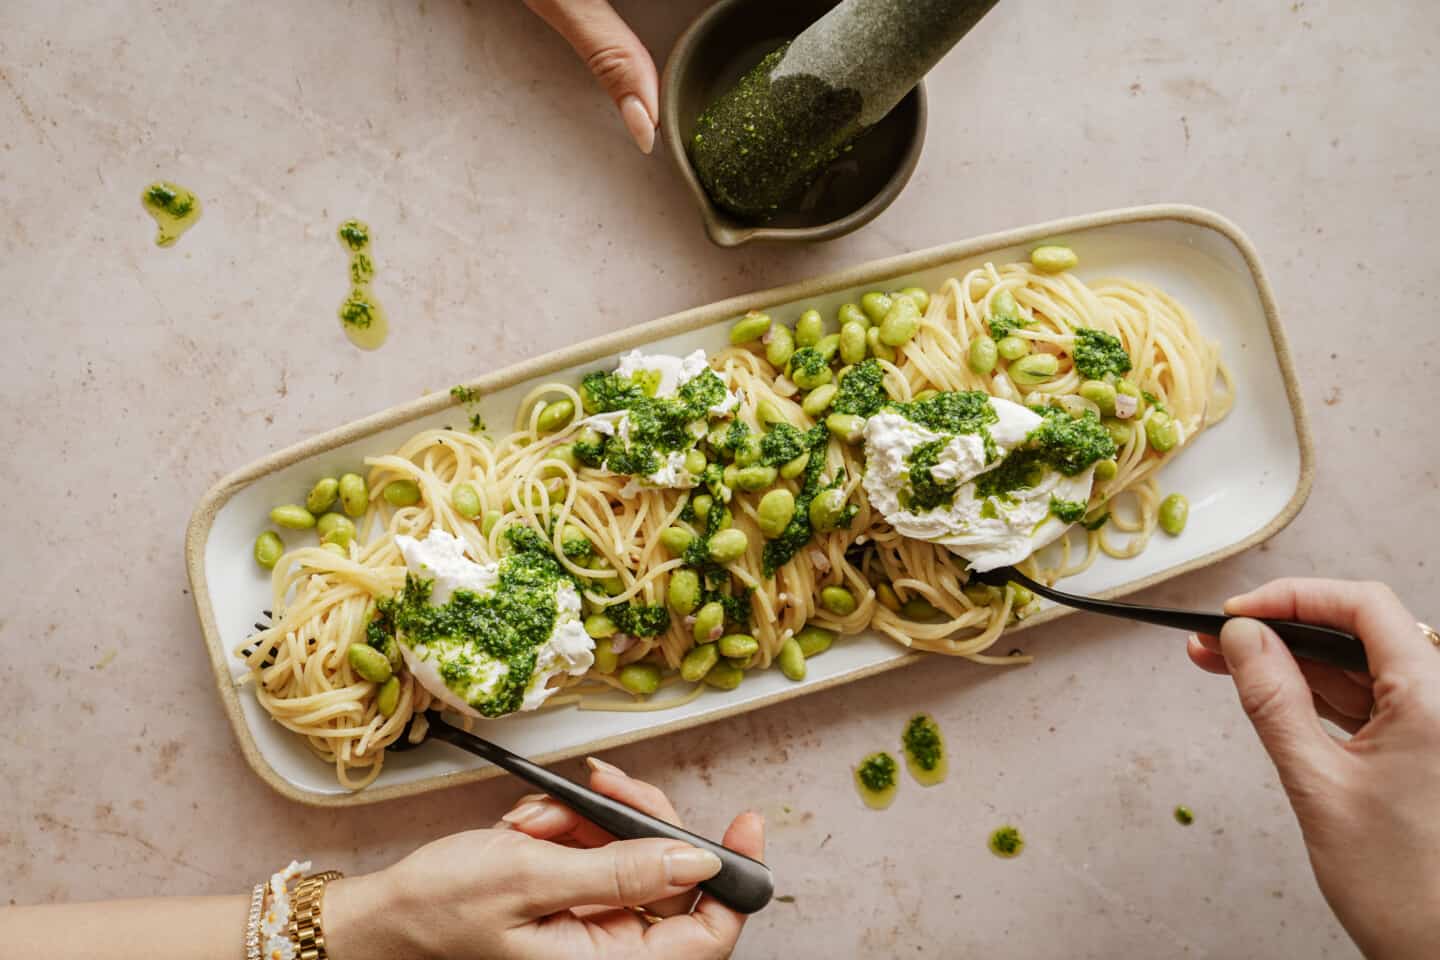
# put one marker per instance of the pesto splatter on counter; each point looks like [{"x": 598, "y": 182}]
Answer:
[
  {"x": 1006, "y": 842},
  {"x": 361, "y": 315},
  {"x": 174, "y": 209},
  {"x": 1184, "y": 816},
  {"x": 924, "y": 750},
  {"x": 1098, "y": 354},
  {"x": 876, "y": 780}
]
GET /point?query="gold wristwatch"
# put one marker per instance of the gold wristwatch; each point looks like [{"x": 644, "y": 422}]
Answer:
[{"x": 305, "y": 928}]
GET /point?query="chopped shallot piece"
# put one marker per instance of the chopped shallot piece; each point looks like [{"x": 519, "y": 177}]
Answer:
[
  {"x": 1125, "y": 406},
  {"x": 621, "y": 642},
  {"x": 769, "y": 336},
  {"x": 689, "y": 621},
  {"x": 716, "y": 633},
  {"x": 821, "y": 560}
]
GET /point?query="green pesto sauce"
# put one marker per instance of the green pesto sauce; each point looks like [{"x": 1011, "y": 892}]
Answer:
[
  {"x": 923, "y": 744},
  {"x": 1070, "y": 511},
  {"x": 1184, "y": 816},
  {"x": 808, "y": 361},
  {"x": 1071, "y": 444},
  {"x": 471, "y": 633},
  {"x": 760, "y": 144},
  {"x": 1004, "y": 324},
  {"x": 1098, "y": 354},
  {"x": 784, "y": 442},
  {"x": 1097, "y": 522},
  {"x": 469, "y": 397},
  {"x": 783, "y": 548},
  {"x": 927, "y": 493},
  {"x": 173, "y": 208},
  {"x": 953, "y": 412},
  {"x": 1006, "y": 842},
  {"x": 361, "y": 316},
  {"x": 1023, "y": 469},
  {"x": 658, "y": 425},
  {"x": 862, "y": 390},
  {"x": 639, "y": 619}
]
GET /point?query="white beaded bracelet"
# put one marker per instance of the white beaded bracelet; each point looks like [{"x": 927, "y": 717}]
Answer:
[
  {"x": 267, "y": 930},
  {"x": 252, "y": 923}
]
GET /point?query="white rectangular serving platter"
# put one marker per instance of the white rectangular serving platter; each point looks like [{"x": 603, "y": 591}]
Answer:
[{"x": 1245, "y": 479}]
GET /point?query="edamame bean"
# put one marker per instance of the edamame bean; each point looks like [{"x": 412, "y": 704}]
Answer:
[
  {"x": 466, "y": 500},
  {"x": 389, "y": 697},
  {"x": 487, "y": 525},
  {"x": 368, "y": 662},
  {"x": 728, "y": 476},
  {"x": 838, "y": 600},
  {"x": 1013, "y": 348},
  {"x": 924, "y": 395},
  {"x": 709, "y": 622},
  {"x": 776, "y": 510},
  {"x": 750, "y": 327},
  {"x": 738, "y": 645},
  {"x": 293, "y": 517},
  {"x": 747, "y": 453},
  {"x": 851, "y": 313},
  {"x": 1174, "y": 511},
  {"x": 810, "y": 380},
  {"x": 606, "y": 659},
  {"x": 752, "y": 479},
  {"x": 599, "y": 626},
  {"x": 768, "y": 412},
  {"x": 695, "y": 462},
  {"x": 1035, "y": 369},
  {"x": 640, "y": 678},
  {"x": 1019, "y": 596},
  {"x": 1128, "y": 389},
  {"x": 335, "y": 548},
  {"x": 676, "y": 539},
  {"x": 885, "y": 594},
  {"x": 819, "y": 399},
  {"x": 878, "y": 349},
  {"x": 555, "y": 415},
  {"x": 983, "y": 354},
  {"x": 809, "y": 328},
  {"x": 564, "y": 453},
  {"x": 1053, "y": 258},
  {"x": 684, "y": 591},
  {"x": 791, "y": 660},
  {"x": 401, "y": 493},
  {"x": 1162, "y": 432},
  {"x": 900, "y": 323},
  {"x": 852, "y": 343},
  {"x": 781, "y": 346},
  {"x": 354, "y": 497},
  {"x": 269, "y": 548},
  {"x": 1105, "y": 471},
  {"x": 814, "y": 640},
  {"x": 1003, "y": 305},
  {"x": 724, "y": 676},
  {"x": 828, "y": 346},
  {"x": 322, "y": 495},
  {"x": 589, "y": 437},
  {"x": 727, "y": 546},
  {"x": 794, "y": 468},
  {"x": 335, "y": 528},
  {"x": 1101, "y": 394},
  {"x": 980, "y": 594},
  {"x": 918, "y": 608},
  {"x": 1120, "y": 431},
  {"x": 701, "y": 505},
  {"x": 876, "y": 305},
  {"x": 826, "y": 509},
  {"x": 849, "y": 427},
  {"x": 919, "y": 295},
  {"x": 698, "y": 662}
]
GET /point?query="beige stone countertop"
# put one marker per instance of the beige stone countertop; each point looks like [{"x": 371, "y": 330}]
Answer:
[{"x": 513, "y": 216}]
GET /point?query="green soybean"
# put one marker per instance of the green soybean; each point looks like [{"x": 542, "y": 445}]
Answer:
[
  {"x": 794, "y": 468},
  {"x": 368, "y": 662},
  {"x": 293, "y": 517},
  {"x": 1129, "y": 389},
  {"x": 1119, "y": 430},
  {"x": 781, "y": 346},
  {"x": 564, "y": 453},
  {"x": 809, "y": 328},
  {"x": 1053, "y": 258},
  {"x": 699, "y": 661},
  {"x": 919, "y": 295},
  {"x": 819, "y": 399},
  {"x": 925, "y": 395},
  {"x": 1003, "y": 305},
  {"x": 814, "y": 640},
  {"x": 887, "y": 597},
  {"x": 1019, "y": 596},
  {"x": 724, "y": 676},
  {"x": 322, "y": 495},
  {"x": 983, "y": 355},
  {"x": 838, "y": 600},
  {"x": 1174, "y": 511},
  {"x": 335, "y": 528},
  {"x": 852, "y": 343},
  {"x": 389, "y": 697},
  {"x": 747, "y": 453},
  {"x": 828, "y": 346},
  {"x": 1101, "y": 394},
  {"x": 776, "y": 510},
  {"x": 641, "y": 678},
  {"x": 900, "y": 323},
  {"x": 848, "y": 427},
  {"x": 335, "y": 548},
  {"x": 750, "y": 327},
  {"x": 1105, "y": 471},
  {"x": 401, "y": 493},
  {"x": 695, "y": 462},
  {"x": 1162, "y": 432},
  {"x": 1013, "y": 348},
  {"x": 1035, "y": 369},
  {"x": 683, "y": 593},
  {"x": 354, "y": 497},
  {"x": 826, "y": 509},
  {"x": 676, "y": 539},
  {"x": 492, "y": 517},
  {"x": 738, "y": 645},
  {"x": 727, "y": 546},
  {"x": 599, "y": 626},
  {"x": 980, "y": 594},
  {"x": 466, "y": 500},
  {"x": 878, "y": 349},
  {"x": 876, "y": 305},
  {"x": 728, "y": 475},
  {"x": 918, "y": 608},
  {"x": 851, "y": 313},
  {"x": 791, "y": 660},
  {"x": 709, "y": 622},
  {"x": 555, "y": 415},
  {"x": 758, "y": 477},
  {"x": 269, "y": 548},
  {"x": 768, "y": 412},
  {"x": 606, "y": 659}
]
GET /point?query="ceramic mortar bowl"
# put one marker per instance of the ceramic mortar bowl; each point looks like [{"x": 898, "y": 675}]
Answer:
[{"x": 714, "y": 52}]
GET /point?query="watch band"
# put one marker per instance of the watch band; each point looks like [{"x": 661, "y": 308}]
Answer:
[{"x": 305, "y": 928}]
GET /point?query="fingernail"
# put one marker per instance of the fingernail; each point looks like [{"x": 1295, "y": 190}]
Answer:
[
  {"x": 687, "y": 865},
  {"x": 638, "y": 122},
  {"x": 533, "y": 815},
  {"x": 599, "y": 765},
  {"x": 1241, "y": 639}
]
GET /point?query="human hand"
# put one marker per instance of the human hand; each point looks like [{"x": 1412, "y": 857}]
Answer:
[
  {"x": 614, "y": 55},
  {"x": 544, "y": 883},
  {"x": 1367, "y": 804}
]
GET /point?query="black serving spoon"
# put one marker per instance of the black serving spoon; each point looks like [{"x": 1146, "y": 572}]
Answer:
[
  {"x": 742, "y": 884},
  {"x": 1320, "y": 644}
]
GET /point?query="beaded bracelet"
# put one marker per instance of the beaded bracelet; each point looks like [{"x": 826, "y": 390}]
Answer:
[
  {"x": 267, "y": 933},
  {"x": 252, "y": 923}
]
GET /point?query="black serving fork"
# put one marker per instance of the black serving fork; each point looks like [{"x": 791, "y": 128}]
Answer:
[
  {"x": 1320, "y": 644},
  {"x": 742, "y": 884}
]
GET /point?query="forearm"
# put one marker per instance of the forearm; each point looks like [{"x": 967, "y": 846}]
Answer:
[{"x": 173, "y": 928}]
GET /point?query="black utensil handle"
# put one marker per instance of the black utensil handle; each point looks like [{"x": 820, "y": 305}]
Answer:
[
  {"x": 1318, "y": 644},
  {"x": 743, "y": 884}
]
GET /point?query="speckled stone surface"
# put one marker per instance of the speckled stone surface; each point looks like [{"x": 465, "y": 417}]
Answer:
[{"x": 512, "y": 216}]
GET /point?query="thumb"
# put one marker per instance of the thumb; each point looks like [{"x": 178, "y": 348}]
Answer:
[
  {"x": 1275, "y": 696},
  {"x": 626, "y": 873},
  {"x": 614, "y": 55}
]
